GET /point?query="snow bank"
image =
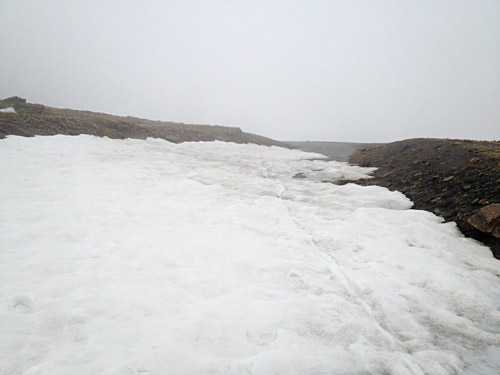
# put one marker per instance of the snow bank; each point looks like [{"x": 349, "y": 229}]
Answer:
[
  {"x": 8, "y": 110},
  {"x": 146, "y": 257}
]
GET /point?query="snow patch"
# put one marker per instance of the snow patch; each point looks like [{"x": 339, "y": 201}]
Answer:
[
  {"x": 147, "y": 257},
  {"x": 8, "y": 110}
]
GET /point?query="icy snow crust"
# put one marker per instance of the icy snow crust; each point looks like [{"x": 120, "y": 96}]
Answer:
[{"x": 146, "y": 257}]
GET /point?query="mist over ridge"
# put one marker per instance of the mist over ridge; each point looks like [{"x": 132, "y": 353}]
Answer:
[{"x": 329, "y": 71}]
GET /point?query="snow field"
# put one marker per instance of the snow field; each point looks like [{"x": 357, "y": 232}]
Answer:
[{"x": 146, "y": 257}]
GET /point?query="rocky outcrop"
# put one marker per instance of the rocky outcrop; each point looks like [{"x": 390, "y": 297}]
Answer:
[
  {"x": 35, "y": 119},
  {"x": 14, "y": 101},
  {"x": 487, "y": 220},
  {"x": 451, "y": 178}
]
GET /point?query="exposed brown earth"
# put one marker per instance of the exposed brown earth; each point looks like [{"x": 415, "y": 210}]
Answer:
[
  {"x": 36, "y": 119},
  {"x": 452, "y": 178}
]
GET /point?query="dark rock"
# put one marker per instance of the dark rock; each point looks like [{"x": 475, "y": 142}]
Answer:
[{"x": 465, "y": 169}]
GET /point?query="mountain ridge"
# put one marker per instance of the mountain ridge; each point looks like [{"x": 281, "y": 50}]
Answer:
[{"x": 36, "y": 119}]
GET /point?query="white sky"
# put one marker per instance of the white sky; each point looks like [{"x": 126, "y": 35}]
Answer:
[{"x": 290, "y": 70}]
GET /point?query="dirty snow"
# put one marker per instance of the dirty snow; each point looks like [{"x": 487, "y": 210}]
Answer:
[{"x": 147, "y": 257}]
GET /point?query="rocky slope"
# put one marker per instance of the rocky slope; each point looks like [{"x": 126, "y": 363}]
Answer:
[
  {"x": 456, "y": 179},
  {"x": 35, "y": 119}
]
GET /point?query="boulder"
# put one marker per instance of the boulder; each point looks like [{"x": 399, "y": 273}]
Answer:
[{"x": 487, "y": 220}]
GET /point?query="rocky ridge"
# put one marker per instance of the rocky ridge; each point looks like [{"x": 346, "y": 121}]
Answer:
[
  {"x": 35, "y": 119},
  {"x": 456, "y": 179}
]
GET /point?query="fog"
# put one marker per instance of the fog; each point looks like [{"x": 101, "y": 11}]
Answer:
[{"x": 364, "y": 71}]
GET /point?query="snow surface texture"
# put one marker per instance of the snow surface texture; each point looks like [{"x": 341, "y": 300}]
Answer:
[
  {"x": 146, "y": 257},
  {"x": 8, "y": 110}
]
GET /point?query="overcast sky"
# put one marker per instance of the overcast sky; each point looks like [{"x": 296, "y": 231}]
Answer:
[{"x": 291, "y": 70}]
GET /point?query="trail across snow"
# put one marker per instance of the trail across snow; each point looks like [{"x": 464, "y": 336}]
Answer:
[{"x": 146, "y": 257}]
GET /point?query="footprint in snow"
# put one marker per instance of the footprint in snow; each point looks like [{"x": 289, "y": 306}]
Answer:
[
  {"x": 22, "y": 304},
  {"x": 294, "y": 274}
]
